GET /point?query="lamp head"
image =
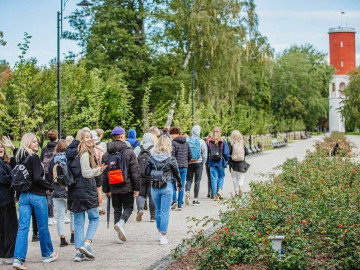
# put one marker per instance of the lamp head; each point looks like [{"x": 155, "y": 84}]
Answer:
[
  {"x": 84, "y": 3},
  {"x": 207, "y": 64}
]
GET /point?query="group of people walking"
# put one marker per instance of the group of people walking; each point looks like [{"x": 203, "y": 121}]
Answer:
[{"x": 156, "y": 172}]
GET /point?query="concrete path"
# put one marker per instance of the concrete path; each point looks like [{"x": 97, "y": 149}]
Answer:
[{"x": 142, "y": 249}]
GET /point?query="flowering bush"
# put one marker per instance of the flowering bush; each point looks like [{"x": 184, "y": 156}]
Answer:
[
  {"x": 323, "y": 147},
  {"x": 315, "y": 204}
]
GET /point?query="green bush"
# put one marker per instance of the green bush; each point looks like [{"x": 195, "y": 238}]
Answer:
[{"x": 314, "y": 203}]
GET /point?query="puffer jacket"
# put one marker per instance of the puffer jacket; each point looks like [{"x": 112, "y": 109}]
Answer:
[
  {"x": 83, "y": 195},
  {"x": 132, "y": 180},
  {"x": 6, "y": 192},
  {"x": 181, "y": 151},
  {"x": 168, "y": 164}
]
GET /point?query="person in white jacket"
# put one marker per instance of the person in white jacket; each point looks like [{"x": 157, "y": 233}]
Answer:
[{"x": 195, "y": 169}]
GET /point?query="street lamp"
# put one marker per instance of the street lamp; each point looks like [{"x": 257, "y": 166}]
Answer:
[
  {"x": 207, "y": 66},
  {"x": 83, "y": 3}
]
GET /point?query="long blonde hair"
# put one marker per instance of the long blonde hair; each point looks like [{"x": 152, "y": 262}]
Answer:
[
  {"x": 236, "y": 137},
  {"x": 24, "y": 148},
  {"x": 163, "y": 145},
  {"x": 216, "y": 135},
  {"x": 83, "y": 148}
]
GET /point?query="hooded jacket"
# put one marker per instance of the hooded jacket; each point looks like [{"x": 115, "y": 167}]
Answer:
[
  {"x": 148, "y": 140},
  {"x": 132, "y": 138},
  {"x": 181, "y": 151},
  {"x": 83, "y": 195},
  {"x": 49, "y": 147},
  {"x": 168, "y": 164},
  {"x": 195, "y": 133},
  {"x": 132, "y": 181},
  {"x": 6, "y": 192}
]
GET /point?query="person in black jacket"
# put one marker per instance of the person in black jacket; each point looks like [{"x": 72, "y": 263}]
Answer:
[
  {"x": 33, "y": 199},
  {"x": 162, "y": 163},
  {"x": 60, "y": 194},
  {"x": 83, "y": 196},
  {"x": 7, "y": 142},
  {"x": 122, "y": 194},
  {"x": 182, "y": 152},
  {"x": 8, "y": 216}
]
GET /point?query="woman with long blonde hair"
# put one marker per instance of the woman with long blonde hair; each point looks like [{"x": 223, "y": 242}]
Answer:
[
  {"x": 237, "y": 161},
  {"x": 218, "y": 157},
  {"x": 162, "y": 168},
  {"x": 32, "y": 197},
  {"x": 83, "y": 196}
]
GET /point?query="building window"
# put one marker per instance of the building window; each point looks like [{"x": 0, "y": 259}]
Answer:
[
  {"x": 341, "y": 44},
  {"x": 342, "y": 63},
  {"x": 342, "y": 89}
]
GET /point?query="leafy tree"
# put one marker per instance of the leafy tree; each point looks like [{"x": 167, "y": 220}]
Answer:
[
  {"x": 2, "y": 41},
  {"x": 351, "y": 104}
]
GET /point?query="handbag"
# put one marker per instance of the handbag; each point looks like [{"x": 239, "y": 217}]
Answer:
[{"x": 244, "y": 166}]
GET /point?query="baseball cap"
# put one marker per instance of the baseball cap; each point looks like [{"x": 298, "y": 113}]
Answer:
[{"x": 94, "y": 135}]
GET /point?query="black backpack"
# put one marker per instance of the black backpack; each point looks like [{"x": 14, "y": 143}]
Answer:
[
  {"x": 47, "y": 157},
  {"x": 116, "y": 170},
  {"x": 216, "y": 151},
  {"x": 143, "y": 158},
  {"x": 158, "y": 179},
  {"x": 64, "y": 176},
  {"x": 21, "y": 180}
]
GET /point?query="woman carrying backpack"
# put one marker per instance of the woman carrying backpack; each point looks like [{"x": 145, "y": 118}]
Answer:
[
  {"x": 32, "y": 197},
  {"x": 60, "y": 194},
  {"x": 218, "y": 150},
  {"x": 143, "y": 153},
  {"x": 83, "y": 196},
  {"x": 237, "y": 161},
  {"x": 161, "y": 168},
  {"x": 8, "y": 216}
]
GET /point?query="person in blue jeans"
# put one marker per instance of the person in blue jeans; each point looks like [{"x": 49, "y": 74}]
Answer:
[
  {"x": 162, "y": 163},
  {"x": 182, "y": 152},
  {"x": 83, "y": 196},
  {"x": 33, "y": 199},
  {"x": 219, "y": 153}
]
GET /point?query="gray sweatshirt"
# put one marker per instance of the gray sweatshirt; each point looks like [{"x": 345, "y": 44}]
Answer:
[{"x": 195, "y": 133}]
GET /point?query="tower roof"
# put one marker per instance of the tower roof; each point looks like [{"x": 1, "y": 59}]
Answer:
[{"x": 341, "y": 29}]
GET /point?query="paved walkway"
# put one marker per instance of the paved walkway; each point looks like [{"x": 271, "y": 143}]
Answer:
[{"x": 142, "y": 248}]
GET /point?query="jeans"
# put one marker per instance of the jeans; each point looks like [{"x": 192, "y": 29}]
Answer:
[
  {"x": 122, "y": 202},
  {"x": 162, "y": 199},
  {"x": 60, "y": 206},
  {"x": 79, "y": 222},
  {"x": 145, "y": 192},
  {"x": 34, "y": 223},
  {"x": 238, "y": 180},
  {"x": 27, "y": 203},
  {"x": 8, "y": 230},
  {"x": 183, "y": 172},
  {"x": 217, "y": 178},
  {"x": 194, "y": 169}
]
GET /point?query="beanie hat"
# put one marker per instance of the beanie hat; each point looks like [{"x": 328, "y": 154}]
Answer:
[{"x": 117, "y": 131}]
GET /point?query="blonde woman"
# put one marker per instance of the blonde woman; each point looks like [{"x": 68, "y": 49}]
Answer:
[
  {"x": 218, "y": 151},
  {"x": 83, "y": 196},
  {"x": 237, "y": 161},
  {"x": 33, "y": 198},
  {"x": 162, "y": 168}
]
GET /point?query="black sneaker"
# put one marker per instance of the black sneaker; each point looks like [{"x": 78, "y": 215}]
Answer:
[
  {"x": 145, "y": 206},
  {"x": 35, "y": 238},
  {"x": 72, "y": 240},
  {"x": 208, "y": 196},
  {"x": 196, "y": 202},
  {"x": 173, "y": 204},
  {"x": 152, "y": 219},
  {"x": 63, "y": 242},
  {"x": 180, "y": 208}
]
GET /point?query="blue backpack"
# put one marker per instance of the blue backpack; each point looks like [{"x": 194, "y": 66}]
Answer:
[{"x": 195, "y": 148}]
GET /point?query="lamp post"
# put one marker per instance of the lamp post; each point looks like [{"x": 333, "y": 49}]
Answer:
[
  {"x": 83, "y": 3},
  {"x": 207, "y": 66}
]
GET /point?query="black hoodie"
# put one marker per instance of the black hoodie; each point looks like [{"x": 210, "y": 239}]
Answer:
[
  {"x": 6, "y": 192},
  {"x": 132, "y": 181},
  {"x": 83, "y": 195},
  {"x": 181, "y": 151}
]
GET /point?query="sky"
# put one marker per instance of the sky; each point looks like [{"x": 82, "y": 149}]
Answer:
[{"x": 283, "y": 22}]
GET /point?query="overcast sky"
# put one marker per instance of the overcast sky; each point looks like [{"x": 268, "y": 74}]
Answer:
[{"x": 283, "y": 22}]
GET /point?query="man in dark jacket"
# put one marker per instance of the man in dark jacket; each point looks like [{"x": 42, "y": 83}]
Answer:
[
  {"x": 122, "y": 194},
  {"x": 47, "y": 154},
  {"x": 182, "y": 152}
]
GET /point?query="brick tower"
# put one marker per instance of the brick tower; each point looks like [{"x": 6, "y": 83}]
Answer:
[{"x": 342, "y": 57}]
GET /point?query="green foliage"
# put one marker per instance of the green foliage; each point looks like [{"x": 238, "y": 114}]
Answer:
[
  {"x": 351, "y": 104},
  {"x": 313, "y": 203},
  {"x": 2, "y": 41}
]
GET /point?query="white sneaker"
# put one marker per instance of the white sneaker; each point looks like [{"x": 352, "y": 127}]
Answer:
[
  {"x": 187, "y": 198},
  {"x": 9, "y": 261},
  {"x": 51, "y": 221},
  {"x": 67, "y": 220},
  {"x": 163, "y": 240},
  {"x": 120, "y": 230},
  {"x": 119, "y": 241},
  {"x": 159, "y": 236}
]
